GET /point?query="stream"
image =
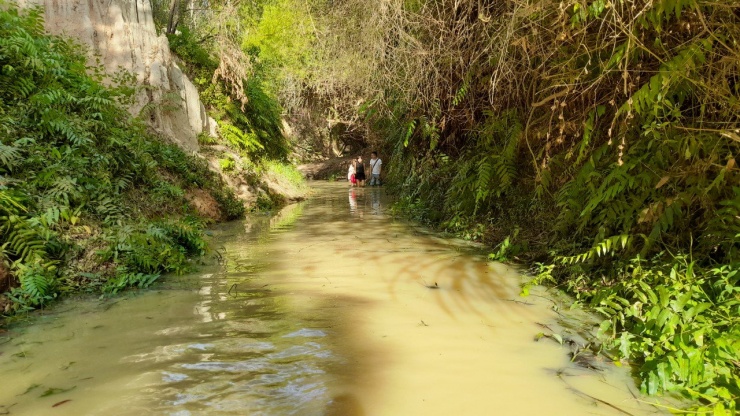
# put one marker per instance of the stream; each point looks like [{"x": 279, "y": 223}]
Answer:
[{"x": 328, "y": 307}]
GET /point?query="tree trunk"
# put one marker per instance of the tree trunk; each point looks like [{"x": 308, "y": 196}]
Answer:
[{"x": 172, "y": 23}]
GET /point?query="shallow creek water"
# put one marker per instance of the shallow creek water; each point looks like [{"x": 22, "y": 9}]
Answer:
[{"x": 322, "y": 309}]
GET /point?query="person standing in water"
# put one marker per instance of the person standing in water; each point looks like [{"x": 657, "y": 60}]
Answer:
[
  {"x": 360, "y": 172},
  {"x": 351, "y": 173},
  {"x": 375, "y": 165}
]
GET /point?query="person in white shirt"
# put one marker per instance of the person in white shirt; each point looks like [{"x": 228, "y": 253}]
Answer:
[
  {"x": 375, "y": 165},
  {"x": 351, "y": 174}
]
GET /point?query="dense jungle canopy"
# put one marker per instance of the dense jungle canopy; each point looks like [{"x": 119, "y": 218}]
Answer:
[{"x": 595, "y": 140}]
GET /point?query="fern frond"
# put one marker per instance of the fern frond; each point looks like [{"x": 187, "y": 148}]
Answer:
[
  {"x": 669, "y": 80},
  {"x": 486, "y": 173},
  {"x": 10, "y": 156},
  {"x": 461, "y": 93},
  {"x": 10, "y": 202},
  {"x": 22, "y": 239},
  {"x": 409, "y": 131},
  {"x": 607, "y": 246},
  {"x": 663, "y": 11},
  {"x": 64, "y": 189},
  {"x": 239, "y": 138}
]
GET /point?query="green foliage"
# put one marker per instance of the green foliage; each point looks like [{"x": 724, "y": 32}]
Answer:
[
  {"x": 256, "y": 128},
  {"x": 231, "y": 207},
  {"x": 410, "y": 129},
  {"x": 246, "y": 109},
  {"x": 664, "y": 11},
  {"x": 613, "y": 139},
  {"x": 38, "y": 286},
  {"x": 286, "y": 173},
  {"x": 239, "y": 139},
  {"x": 124, "y": 280},
  {"x": 461, "y": 93},
  {"x": 663, "y": 94},
  {"x": 608, "y": 246},
  {"x": 411, "y": 208},
  {"x": 276, "y": 182},
  {"x": 485, "y": 172},
  {"x": 205, "y": 139},
  {"x": 679, "y": 321},
  {"x": 543, "y": 274},
  {"x": 76, "y": 172},
  {"x": 160, "y": 247},
  {"x": 281, "y": 37},
  {"x": 507, "y": 249},
  {"x": 191, "y": 50},
  {"x": 24, "y": 240},
  {"x": 227, "y": 164},
  {"x": 265, "y": 202},
  {"x": 264, "y": 116}
]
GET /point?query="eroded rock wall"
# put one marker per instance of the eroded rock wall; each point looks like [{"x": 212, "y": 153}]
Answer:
[{"x": 121, "y": 35}]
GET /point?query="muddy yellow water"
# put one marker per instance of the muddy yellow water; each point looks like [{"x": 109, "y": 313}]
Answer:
[{"x": 329, "y": 307}]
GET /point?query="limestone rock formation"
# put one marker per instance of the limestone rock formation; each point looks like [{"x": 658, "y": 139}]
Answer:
[{"x": 121, "y": 35}]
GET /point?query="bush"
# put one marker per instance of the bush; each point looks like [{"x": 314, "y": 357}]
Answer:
[
  {"x": 677, "y": 320},
  {"x": 74, "y": 167}
]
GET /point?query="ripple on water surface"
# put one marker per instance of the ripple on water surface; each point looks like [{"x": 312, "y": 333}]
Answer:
[{"x": 329, "y": 315}]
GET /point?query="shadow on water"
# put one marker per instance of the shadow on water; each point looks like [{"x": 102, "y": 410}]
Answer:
[
  {"x": 312, "y": 311},
  {"x": 261, "y": 350},
  {"x": 368, "y": 237},
  {"x": 235, "y": 345}
]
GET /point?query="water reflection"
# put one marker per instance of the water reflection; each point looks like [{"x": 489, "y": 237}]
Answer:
[
  {"x": 353, "y": 201},
  {"x": 330, "y": 315},
  {"x": 254, "y": 355},
  {"x": 359, "y": 202},
  {"x": 375, "y": 200}
]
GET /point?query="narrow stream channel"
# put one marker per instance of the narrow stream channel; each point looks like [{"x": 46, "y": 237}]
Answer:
[{"x": 322, "y": 309}]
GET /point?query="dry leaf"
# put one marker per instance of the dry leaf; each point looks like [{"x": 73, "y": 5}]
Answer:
[
  {"x": 732, "y": 135},
  {"x": 662, "y": 181}
]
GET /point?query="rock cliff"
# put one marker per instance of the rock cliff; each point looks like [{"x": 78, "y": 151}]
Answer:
[{"x": 121, "y": 35}]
